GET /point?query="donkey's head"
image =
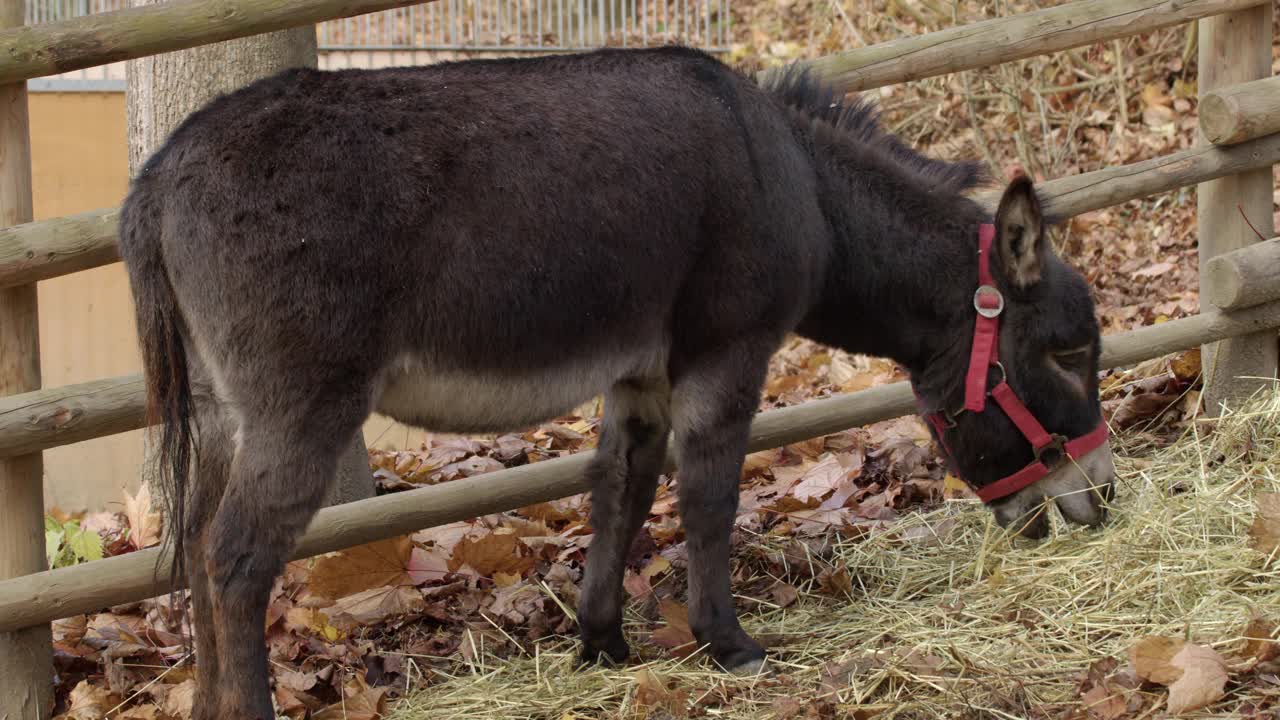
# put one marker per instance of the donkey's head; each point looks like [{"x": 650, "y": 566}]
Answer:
[{"x": 1023, "y": 424}]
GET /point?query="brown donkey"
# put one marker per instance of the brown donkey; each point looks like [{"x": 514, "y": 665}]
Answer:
[{"x": 480, "y": 246}]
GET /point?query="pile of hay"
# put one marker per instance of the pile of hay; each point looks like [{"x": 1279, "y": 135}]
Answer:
[{"x": 952, "y": 618}]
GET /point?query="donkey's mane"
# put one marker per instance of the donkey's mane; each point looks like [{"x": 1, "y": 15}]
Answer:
[{"x": 858, "y": 120}]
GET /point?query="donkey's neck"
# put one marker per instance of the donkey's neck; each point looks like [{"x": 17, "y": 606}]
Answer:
[{"x": 903, "y": 265}]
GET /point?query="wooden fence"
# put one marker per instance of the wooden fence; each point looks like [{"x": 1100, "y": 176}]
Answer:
[{"x": 1240, "y": 287}]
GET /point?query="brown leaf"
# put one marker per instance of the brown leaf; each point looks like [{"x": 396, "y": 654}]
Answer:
[
  {"x": 1103, "y": 704},
  {"x": 180, "y": 700},
  {"x": 311, "y": 621},
  {"x": 1154, "y": 270},
  {"x": 554, "y": 511},
  {"x": 427, "y": 566},
  {"x": 291, "y": 704},
  {"x": 675, "y": 635},
  {"x": 836, "y": 581},
  {"x": 139, "y": 712},
  {"x": 376, "y": 605},
  {"x": 656, "y": 566},
  {"x": 784, "y": 594},
  {"x": 495, "y": 552},
  {"x": 296, "y": 680},
  {"x": 1195, "y": 675},
  {"x": 367, "y": 704},
  {"x": 1186, "y": 365},
  {"x": 144, "y": 520},
  {"x": 444, "y": 537},
  {"x": 1152, "y": 659},
  {"x": 636, "y": 585},
  {"x": 821, "y": 480},
  {"x": 654, "y": 694},
  {"x": 1153, "y": 95},
  {"x": 1203, "y": 681},
  {"x": 361, "y": 568},
  {"x": 785, "y": 708},
  {"x": 1262, "y": 642},
  {"x": 1139, "y": 406},
  {"x": 1264, "y": 534},
  {"x": 90, "y": 702}
]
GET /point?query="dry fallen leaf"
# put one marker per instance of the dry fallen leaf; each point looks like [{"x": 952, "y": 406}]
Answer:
[
  {"x": 675, "y": 635},
  {"x": 492, "y": 553},
  {"x": 144, "y": 519},
  {"x": 312, "y": 621},
  {"x": 90, "y": 702},
  {"x": 427, "y": 566},
  {"x": 1195, "y": 675},
  {"x": 361, "y": 568},
  {"x": 1264, "y": 534},
  {"x": 654, "y": 697},
  {"x": 1186, "y": 365},
  {"x": 376, "y": 605},
  {"x": 180, "y": 699},
  {"x": 368, "y": 704},
  {"x": 1103, "y": 704},
  {"x": 784, "y": 594},
  {"x": 1262, "y": 641}
]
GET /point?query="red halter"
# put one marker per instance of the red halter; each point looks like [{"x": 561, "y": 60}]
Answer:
[{"x": 989, "y": 303}]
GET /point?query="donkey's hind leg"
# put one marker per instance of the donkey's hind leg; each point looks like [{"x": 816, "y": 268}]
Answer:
[
  {"x": 286, "y": 458},
  {"x": 212, "y": 467},
  {"x": 624, "y": 475}
]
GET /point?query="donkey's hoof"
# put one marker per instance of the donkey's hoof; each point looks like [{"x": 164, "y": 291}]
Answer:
[
  {"x": 743, "y": 661},
  {"x": 749, "y": 668},
  {"x": 608, "y": 651}
]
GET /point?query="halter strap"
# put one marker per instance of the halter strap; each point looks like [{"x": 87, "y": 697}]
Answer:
[{"x": 986, "y": 330}]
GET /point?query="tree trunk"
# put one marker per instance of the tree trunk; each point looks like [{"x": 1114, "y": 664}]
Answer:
[{"x": 164, "y": 89}]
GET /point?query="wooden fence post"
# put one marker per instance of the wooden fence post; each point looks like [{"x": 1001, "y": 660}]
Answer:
[
  {"x": 1235, "y": 48},
  {"x": 26, "y": 656}
]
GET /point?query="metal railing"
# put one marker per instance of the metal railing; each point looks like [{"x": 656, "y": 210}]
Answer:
[{"x": 493, "y": 25}]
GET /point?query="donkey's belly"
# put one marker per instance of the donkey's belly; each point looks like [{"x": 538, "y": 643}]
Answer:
[{"x": 464, "y": 402}]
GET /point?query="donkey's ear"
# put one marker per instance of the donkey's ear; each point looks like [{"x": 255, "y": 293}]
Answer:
[{"x": 1020, "y": 238}]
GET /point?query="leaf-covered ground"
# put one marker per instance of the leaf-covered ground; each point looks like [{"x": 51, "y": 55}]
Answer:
[{"x": 352, "y": 631}]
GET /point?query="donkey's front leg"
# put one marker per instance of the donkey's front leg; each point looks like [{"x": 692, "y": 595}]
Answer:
[
  {"x": 712, "y": 411},
  {"x": 624, "y": 476}
]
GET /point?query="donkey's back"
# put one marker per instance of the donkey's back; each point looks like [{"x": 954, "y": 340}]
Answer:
[{"x": 568, "y": 217}]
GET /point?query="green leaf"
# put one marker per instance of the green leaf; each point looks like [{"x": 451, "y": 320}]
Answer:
[{"x": 85, "y": 545}]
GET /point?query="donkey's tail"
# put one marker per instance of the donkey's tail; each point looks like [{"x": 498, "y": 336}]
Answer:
[{"x": 164, "y": 360}]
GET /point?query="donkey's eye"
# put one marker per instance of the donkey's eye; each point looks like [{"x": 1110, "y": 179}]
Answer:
[{"x": 1076, "y": 360}]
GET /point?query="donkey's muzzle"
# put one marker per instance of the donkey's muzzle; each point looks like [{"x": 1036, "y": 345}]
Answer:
[{"x": 1082, "y": 490}]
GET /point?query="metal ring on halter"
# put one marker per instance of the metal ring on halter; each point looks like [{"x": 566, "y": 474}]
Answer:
[
  {"x": 1058, "y": 445},
  {"x": 988, "y": 312},
  {"x": 1004, "y": 376}
]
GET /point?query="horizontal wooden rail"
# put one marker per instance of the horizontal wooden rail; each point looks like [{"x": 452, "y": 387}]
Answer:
[
  {"x": 1241, "y": 112},
  {"x": 51, "y": 48},
  {"x": 1005, "y": 39},
  {"x": 49, "y": 248},
  {"x": 1075, "y": 194},
  {"x": 53, "y": 594},
  {"x": 1243, "y": 278},
  {"x": 42, "y": 419}
]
